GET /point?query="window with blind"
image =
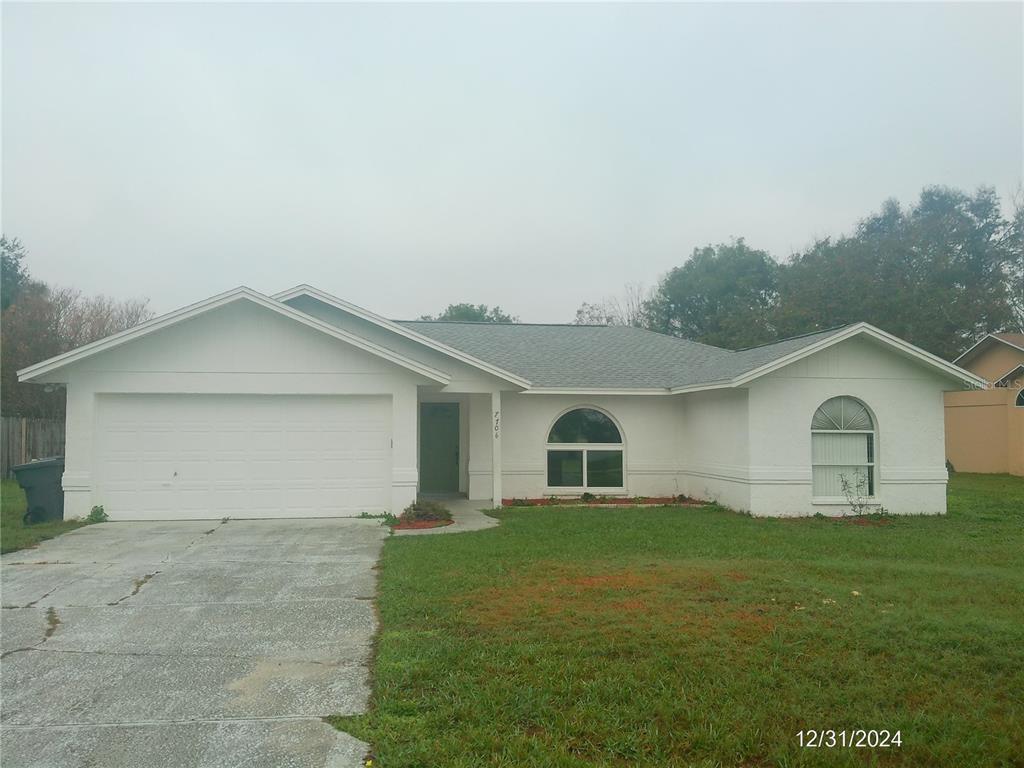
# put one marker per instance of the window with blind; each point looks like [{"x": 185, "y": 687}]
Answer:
[{"x": 843, "y": 449}]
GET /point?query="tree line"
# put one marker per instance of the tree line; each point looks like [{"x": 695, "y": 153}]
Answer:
[
  {"x": 40, "y": 321},
  {"x": 940, "y": 273}
]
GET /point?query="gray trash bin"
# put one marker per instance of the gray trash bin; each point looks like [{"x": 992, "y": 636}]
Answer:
[{"x": 41, "y": 481}]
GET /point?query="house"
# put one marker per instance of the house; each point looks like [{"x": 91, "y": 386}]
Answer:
[
  {"x": 302, "y": 404},
  {"x": 985, "y": 428}
]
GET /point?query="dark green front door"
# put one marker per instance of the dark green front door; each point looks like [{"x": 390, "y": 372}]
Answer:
[{"x": 439, "y": 447}]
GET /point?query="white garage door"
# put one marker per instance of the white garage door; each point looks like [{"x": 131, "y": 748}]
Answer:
[{"x": 210, "y": 456}]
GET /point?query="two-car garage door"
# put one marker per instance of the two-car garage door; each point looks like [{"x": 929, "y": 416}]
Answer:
[{"x": 186, "y": 456}]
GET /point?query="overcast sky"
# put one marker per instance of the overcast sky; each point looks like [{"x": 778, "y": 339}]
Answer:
[{"x": 408, "y": 156}]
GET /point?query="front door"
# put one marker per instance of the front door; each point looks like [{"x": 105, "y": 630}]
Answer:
[{"x": 439, "y": 447}]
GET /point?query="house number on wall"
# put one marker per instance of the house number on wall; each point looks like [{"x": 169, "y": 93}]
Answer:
[{"x": 497, "y": 424}]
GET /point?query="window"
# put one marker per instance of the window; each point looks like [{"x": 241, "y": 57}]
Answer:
[
  {"x": 584, "y": 451},
  {"x": 843, "y": 449},
  {"x": 1020, "y": 399}
]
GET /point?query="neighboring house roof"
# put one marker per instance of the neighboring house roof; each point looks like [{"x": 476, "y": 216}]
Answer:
[
  {"x": 1015, "y": 340},
  {"x": 215, "y": 302},
  {"x": 1010, "y": 378}
]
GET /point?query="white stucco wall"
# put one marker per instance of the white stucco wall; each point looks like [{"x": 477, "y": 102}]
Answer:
[
  {"x": 747, "y": 448},
  {"x": 906, "y": 399},
  {"x": 714, "y": 455},
  {"x": 650, "y": 431},
  {"x": 239, "y": 348}
]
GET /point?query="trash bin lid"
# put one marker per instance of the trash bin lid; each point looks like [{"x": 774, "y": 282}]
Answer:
[{"x": 52, "y": 461}]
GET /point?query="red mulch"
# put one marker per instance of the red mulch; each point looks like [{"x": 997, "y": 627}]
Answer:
[
  {"x": 625, "y": 501},
  {"x": 419, "y": 524}
]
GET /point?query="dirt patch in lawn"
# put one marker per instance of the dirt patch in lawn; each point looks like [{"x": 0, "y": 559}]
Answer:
[
  {"x": 694, "y": 599},
  {"x": 867, "y": 522}
]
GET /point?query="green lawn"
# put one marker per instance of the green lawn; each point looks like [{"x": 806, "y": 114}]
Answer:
[
  {"x": 699, "y": 637},
  {"x": 14, "y": 534}
]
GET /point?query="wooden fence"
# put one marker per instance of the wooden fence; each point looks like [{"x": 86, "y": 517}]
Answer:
[{"x": 22, "y": 440}]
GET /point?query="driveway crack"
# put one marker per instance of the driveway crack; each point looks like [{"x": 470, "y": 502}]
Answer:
[
  {"x": 138, "y": 585},
  {"x": 52, "y": 622},
  {"x": 224, "y": 521}
]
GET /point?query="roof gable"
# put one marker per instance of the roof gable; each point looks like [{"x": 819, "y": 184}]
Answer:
[
  {"x": 1011, "y": 377},
  {"x": 1014, "y": 340},
  {"x": 754, "y": 363},
  {"x": 400, "y": 329},
  {"x": 215, "y": 302}
]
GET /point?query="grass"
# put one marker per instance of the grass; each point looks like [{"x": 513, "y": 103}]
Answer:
[
  {"x": 14, "y": 534},
  {"x": 699, "y": 637}
]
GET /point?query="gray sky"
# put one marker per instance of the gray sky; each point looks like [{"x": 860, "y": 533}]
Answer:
[{"x": 533, "y": 156}]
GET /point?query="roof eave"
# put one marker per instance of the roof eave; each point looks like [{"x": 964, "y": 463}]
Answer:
[
  {"x": 596, "y": 391},
  {"x": 944, "y": 366},
  {"x": 383, "y": 322},
  {"x": 702, "y": 387},
  {"x": 192, "y": 310}
]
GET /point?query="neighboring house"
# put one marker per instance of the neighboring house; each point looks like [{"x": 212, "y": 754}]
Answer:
[
  {"x": 985, "y": 428},
  {"x": 301, "y": 404}
]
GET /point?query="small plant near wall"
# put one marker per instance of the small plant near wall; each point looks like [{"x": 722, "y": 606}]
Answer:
[
  {"x": 856, "y": 493},
  {"x": 97, "y": 515},
  {"x": 425, "y": 511},
  {"x": 423, "y": 514},
  {"x": 386, "y": 518}
]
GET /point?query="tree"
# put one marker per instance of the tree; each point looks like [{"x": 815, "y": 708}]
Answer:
[
  {"x": 724, "y": 295},
  {"x": 630, "y": 308},
  {"x": 41, "y": 322},
  {"x": 937, "y": 274},
  {"x": 476, "y": 313},
  {"x": 1015, "y": 237},
  {"x": 14, "y": 276}
]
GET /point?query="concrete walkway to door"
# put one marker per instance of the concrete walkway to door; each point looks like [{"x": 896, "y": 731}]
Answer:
[
  {"x": 467, "y": 515},
  {"x": 203, "y": 644}
]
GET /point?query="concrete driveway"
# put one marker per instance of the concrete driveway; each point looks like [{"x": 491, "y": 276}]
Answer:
[{"x": 188, "y": 644}]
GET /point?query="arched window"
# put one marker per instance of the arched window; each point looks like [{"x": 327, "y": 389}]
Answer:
[
  {"x": 585, "y": 451},
  {"x": 843, "y": 449}
]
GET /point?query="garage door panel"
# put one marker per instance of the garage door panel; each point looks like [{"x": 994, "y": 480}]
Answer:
[{"x": 211, "y": 456}]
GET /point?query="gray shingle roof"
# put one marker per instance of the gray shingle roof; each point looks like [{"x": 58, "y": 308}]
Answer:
[{"x": 602, "y": 357}]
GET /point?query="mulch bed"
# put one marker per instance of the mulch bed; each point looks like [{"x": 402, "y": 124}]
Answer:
[
  {"x": 610, "y": 501},
  {"x": 420, "y": 524}
]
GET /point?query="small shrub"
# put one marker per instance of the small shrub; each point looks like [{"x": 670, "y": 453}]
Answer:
[
  {"x": 424, "y": 510},
  {"x": 588, "y": 496},
  {"x": 97, "y": 515}
]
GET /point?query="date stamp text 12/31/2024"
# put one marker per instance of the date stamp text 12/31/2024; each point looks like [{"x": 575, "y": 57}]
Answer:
[{"x": 855, "y": 738}]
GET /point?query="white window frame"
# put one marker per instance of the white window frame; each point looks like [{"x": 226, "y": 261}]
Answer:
[
  {"x": 873, "y": 464},
  {"x": 555, "y": 490}
]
